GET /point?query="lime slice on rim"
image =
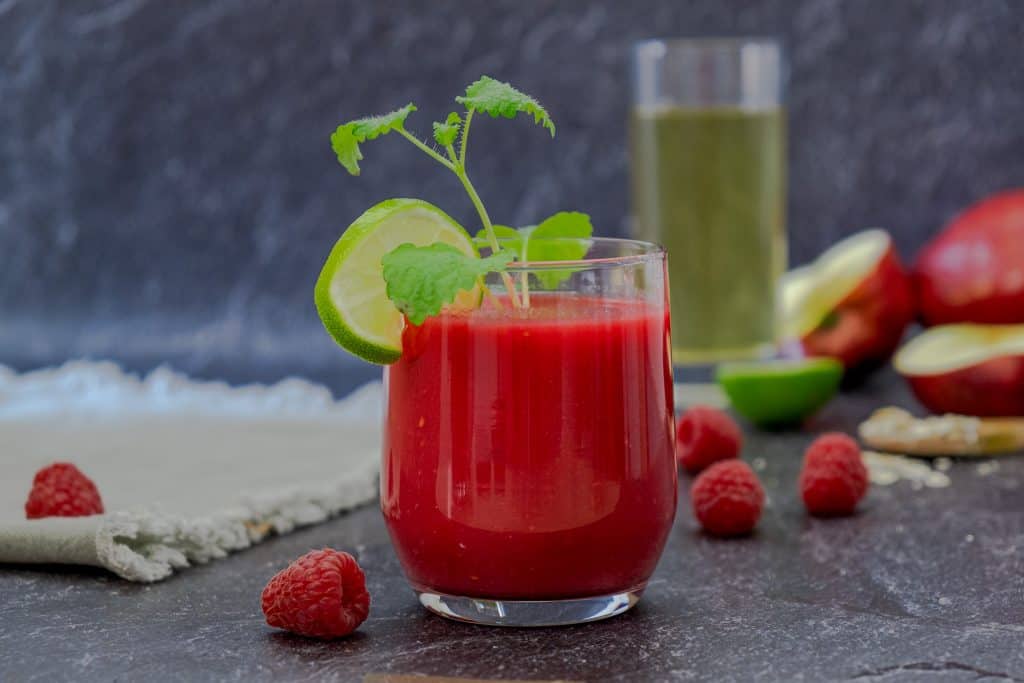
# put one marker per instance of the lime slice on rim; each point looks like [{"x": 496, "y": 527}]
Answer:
[
  {"x": 780, "y": 392},
  {"x": 350, "y": 292}
]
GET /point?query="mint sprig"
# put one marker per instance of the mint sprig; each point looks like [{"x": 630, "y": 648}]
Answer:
[{"x": 422, "y": 280}]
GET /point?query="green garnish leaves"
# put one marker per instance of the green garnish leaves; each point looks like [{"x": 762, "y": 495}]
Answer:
[
  {"x": 510, "y": 240},
  {"x": 562, "y": 237},
  {"x": 445, "y": 133},
  {"x": 346, "y": 138},
  {"x": 566, "y": 233},
  {"x": 421, "y": 280},
  {"x": 493, "y": 97}
]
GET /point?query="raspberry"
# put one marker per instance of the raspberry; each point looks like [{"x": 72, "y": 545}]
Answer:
[
  {"x": 706, "y": 435},
  {"x": 833, "y": 478},
  {"x": 322, "y": 594},
  {"x": 61, "y": 490},
  {"x": 727, "y": 498}
]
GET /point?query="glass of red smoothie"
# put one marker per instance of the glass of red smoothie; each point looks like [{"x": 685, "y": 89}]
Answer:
[{"x": 529, "y": 476}]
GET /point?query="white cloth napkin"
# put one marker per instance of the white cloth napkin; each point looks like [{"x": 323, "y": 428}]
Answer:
[{"x": 188, "y": 471}]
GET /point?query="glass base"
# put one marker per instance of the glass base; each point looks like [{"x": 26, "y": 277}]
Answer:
[{"x": 526, "y": 613}]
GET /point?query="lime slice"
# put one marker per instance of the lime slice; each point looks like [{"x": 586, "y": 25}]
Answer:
[
  {"x": 350, "y": 292},
  {"x": 780, "y": 392}
]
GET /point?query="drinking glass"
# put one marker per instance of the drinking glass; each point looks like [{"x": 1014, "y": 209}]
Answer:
[
  {"x": 528, "y": 474},
  {"x": 707, "y": 138}
]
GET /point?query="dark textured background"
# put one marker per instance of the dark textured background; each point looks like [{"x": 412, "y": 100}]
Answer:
[{"x": 167, "y": 190}]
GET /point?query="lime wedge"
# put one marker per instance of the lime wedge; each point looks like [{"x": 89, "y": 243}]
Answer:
[
  {"x": 350, "y": 292},
  {"x": 780, "y": 392}
]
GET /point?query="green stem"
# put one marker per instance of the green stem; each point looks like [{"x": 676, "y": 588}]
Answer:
[
  {"x": 460, "y": 171},
  {"x": 480, "y": 281},
  {"x": 465, "y": 136},
  {"x": 457, "y": 166},
  {"x": 416, "y": 141},
  {"x": 492, "y": 238}
]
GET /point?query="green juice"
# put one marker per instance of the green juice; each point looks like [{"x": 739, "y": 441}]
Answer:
[{"x": 709, "y": 184}]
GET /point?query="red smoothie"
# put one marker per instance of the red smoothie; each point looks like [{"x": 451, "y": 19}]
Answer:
[{"x": 529, "y": 454}]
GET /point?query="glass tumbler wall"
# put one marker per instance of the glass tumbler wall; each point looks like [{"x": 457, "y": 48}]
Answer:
[
  {"x": 528, "y": 469},
  {"x": 708, "y": 172}
]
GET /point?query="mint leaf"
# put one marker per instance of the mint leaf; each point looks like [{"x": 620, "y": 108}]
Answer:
[
  {"x": 562, "y": 237},
  {"x": 493, "y": 97},
  {"x": 510, "y": 240},
  {"x": 445, "y": 133},
  {"x": 569, "y": 231},
  {"x": 346, "y": 138},
  {"x": 421, "y": 280}
]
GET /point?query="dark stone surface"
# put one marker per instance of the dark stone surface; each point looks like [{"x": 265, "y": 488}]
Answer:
[
  {"x": 921, "y": 585},
  {"x": 167, "y": 194},
  {"x": 167, "y": 188}
]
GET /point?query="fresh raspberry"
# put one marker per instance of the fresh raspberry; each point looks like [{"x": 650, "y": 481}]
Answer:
[
  {"x": 833, "y": 478},
  {"x": 61, "y": 490},
  {"x": 706, "y": 435},
  {"x": 322, "y": 594},
  {"x": 727, "y": 498}
]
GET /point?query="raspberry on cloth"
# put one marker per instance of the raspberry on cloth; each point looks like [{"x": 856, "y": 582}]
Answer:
[
  {"x": 62, "y": 490},
  {"x": 188, "y": 471}
]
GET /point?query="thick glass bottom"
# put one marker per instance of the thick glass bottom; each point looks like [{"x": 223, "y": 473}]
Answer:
[{"x": 527, "y": 613}]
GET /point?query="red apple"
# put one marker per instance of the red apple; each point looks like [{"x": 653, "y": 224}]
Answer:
[
  {"x": 974, "y": 270},
  {"x": 967, "y": 369},
  {"x": 852, "y": 303}
]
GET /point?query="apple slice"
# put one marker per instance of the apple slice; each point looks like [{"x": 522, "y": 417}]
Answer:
[
  {"x": 967, "y": 369},
  {"x": 852, "y": 303}
]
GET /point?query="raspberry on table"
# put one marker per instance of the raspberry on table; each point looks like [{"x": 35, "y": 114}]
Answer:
[
  {"x": 727, "y": 498},
  {"x": 61, "y": 490},
  {"x": 833, "y": 478},
  {"x": 322, "y": 594},
  {"x": 704, "y": 436}
]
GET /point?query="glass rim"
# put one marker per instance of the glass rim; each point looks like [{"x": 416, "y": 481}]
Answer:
[
  {"x": 675, "y": 42},
  {"x": 645, "y": 252}
]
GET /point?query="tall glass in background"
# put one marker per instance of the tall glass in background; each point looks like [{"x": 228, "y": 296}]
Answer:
[{"x": 708, "y": 145}]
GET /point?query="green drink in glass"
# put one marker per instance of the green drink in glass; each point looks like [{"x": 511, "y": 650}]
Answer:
[{"x": 707, "y": 138}]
